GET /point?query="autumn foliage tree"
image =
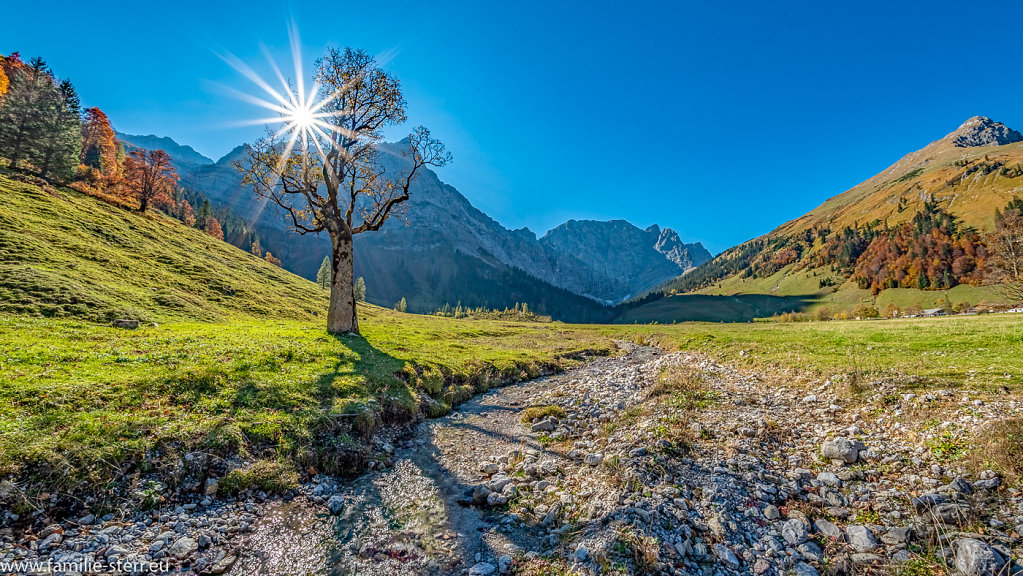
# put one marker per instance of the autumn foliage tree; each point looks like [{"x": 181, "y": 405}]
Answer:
[
  {"x": 338, "y": 184},
  {"x": 271, "y": 259},
  {"x": 213, "y": 228},
  {"x": 1006, "y": 243},
  {"x": 99, "y": 145},
  {"x": 149, "y": 178},
  {"x": 933, "y": 251}
]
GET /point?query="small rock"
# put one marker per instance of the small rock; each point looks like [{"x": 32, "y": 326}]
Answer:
[
  {"x": 803, "y": 569},
  {"x": 828, "y": 529},
  {"x": 504, "y": 564},
  {"x": 482, "y": 569},
  {"x": 975, "y": 558},
  {"x": 336, "y": 504},
  {"x": 794, "y": 532},
  {"x": 725, "y": 554},
  {"x": 542, "y": 426},
  {"x": 842, "y": 449},
  {"x": 183, "y": 548},
  {"x": 861, "y": 538},
  {"x": 581, "y": 553},
  {"x": 829, "y": 479}
]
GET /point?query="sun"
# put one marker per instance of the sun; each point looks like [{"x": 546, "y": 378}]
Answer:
[
  {"x": 302, "y": 117},
  {"x": 300, "y": 113}
]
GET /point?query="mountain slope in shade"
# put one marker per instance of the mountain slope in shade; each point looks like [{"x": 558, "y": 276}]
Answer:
[
  {"x": 447, "y": 250},
  {"x": 612, "y": 261},
  {"x": 168, "y": 145}
]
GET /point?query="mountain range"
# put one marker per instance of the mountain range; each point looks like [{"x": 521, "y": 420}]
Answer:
[
  {"x": 911, "y": 236},
  {"x": 447, "y": 251}
]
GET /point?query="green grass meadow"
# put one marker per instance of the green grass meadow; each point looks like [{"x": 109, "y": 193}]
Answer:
[{"x": 232, "y": 358}]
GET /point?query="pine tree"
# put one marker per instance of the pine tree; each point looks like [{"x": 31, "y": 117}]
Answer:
[
  {"x": 402, "y": 305},
  {"x": 360, "y": 290},
  {"x": 323, "y": 276},
  {"x": 61, "y": 137},
  {"x": 22, "y": 113},
  {"x": 205, "y": 212}
]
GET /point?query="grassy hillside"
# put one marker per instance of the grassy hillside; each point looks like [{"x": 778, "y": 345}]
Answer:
[
  {"x": 245, "y": 373},
  {"x": 96, "y": 404},
  {"x": 904, "y": 227},
  {"x": 239, "y": 364},
  {"x": 65, "y": 254}
]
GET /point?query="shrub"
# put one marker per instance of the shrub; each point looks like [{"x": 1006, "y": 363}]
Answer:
[
  {"x": 866, "y": 311},
  {"x": 999, "y": 445}
]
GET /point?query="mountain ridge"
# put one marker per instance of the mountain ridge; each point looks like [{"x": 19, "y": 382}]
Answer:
[
  {"x": 444, "y": 224},
  {"x": 960, "y": 179}
]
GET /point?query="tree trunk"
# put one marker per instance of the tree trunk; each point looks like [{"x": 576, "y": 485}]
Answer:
[{"x": 341, "y": 316}]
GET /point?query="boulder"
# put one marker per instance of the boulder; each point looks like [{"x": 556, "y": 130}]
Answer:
[{"x": 842, "y": 449}]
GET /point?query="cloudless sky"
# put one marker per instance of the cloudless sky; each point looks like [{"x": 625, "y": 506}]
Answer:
[{"x": 718, "y": 119}]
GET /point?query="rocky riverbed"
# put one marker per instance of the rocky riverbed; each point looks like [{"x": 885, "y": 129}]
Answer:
[{"x": 642, "y": 463}]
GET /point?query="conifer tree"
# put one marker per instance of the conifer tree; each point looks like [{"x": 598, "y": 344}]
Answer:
[
  {"x": 61, "y": 138},
  {"x": 323, "y": 275},
  {"x": 402, "y": 305},
  {"x": 360, "y": 289},
  {"x": 22, "y": 112}
]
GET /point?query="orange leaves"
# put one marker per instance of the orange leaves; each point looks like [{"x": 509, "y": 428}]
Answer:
[
  {"x": 273, "y": 260},
  {"x": 150, "y": 178},
  {"x": 99, "y": 144},
  {"x": 213, "y": 228}
]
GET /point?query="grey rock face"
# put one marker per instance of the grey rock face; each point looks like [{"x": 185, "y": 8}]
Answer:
[
  {"x": 611, "y": 261},
  {"x": 982, "y": 131}
]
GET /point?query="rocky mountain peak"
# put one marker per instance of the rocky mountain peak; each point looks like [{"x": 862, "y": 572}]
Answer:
[{"x": 983, "y": 131}]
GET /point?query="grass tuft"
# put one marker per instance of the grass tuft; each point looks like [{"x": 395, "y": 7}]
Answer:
[{"x": 534, "y": 413}]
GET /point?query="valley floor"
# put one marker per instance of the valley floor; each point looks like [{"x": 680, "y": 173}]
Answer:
[{"x": 648, "y": 462}]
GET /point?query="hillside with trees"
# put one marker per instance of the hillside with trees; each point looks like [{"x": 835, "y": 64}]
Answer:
[{"x": 925, "y": 223}]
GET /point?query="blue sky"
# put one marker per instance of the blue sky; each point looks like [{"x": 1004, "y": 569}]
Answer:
[{"x": 718, "y": 119}]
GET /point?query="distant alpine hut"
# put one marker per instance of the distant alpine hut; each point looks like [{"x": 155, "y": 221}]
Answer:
[{"x": 929, "y": 313}]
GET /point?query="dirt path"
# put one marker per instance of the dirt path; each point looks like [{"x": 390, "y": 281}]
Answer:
[
  {"x": 418, "y": 516},
  {"x": 645, "y": 463}
]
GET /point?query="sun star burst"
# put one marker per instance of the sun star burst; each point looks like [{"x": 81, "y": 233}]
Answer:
[{"x": 300, "y": 113}]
